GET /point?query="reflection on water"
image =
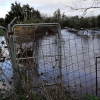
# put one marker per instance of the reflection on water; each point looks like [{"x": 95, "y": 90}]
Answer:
[{"x": 48, "y": 60}]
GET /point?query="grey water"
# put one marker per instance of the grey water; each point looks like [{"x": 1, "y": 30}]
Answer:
[
  {"x": 80, "y": 54},
  {"x": 6, "y": 71},
  {"x": 78, "y": 69}
]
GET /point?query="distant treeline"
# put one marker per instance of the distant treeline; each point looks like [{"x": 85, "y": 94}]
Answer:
[
  {"x": 76, "y": 22},
  {"x": 82, "y": 23},
  {"x": 27, "y": 14}
]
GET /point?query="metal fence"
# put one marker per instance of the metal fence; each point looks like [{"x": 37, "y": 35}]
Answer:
[
  {"x": 54, "y": 63},
  {"x": 37, "y": 49},
  {"x": 78, "y": 64}
]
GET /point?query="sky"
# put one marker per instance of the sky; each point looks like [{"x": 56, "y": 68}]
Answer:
[{"x": 50, "y": 6}]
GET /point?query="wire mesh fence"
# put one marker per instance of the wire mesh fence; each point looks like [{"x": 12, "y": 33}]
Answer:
[
  {"x": 38, "y": 54},
  {"x": 79, "y": 70},
  {"x": 58, "y": 66}
]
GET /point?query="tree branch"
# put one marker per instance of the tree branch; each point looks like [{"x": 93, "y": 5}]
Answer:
[
  {"x": 94, "y": 5},
  {"x": 84, "y": 10}
]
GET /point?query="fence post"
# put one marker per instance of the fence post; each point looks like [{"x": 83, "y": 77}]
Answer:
[
  {"x": 16, "y": 71},
  {"x": 96, "y": 76},
  {"x": 60, "y": 59}
]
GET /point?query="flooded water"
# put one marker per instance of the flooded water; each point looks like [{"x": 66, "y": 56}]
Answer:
[
  {"x": 78, "y": 69},
  {"x": 79, "y": 55},
  {"x": 5, "y": 66}
]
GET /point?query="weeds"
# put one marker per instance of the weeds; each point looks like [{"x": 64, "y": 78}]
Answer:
[{"x": 90, "y": 97}]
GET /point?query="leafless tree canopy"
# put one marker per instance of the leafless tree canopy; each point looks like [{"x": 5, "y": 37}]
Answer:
[{"x": 95, "y": 5}]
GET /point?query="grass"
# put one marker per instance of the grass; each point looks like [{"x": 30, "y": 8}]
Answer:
[
  {"x": 90, "y": 97},
  {"x": 1, "y": 33}
]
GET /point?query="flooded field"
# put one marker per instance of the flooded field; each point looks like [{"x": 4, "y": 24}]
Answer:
[
  {"x": 76, "y": 68},
  {"x": 79, "y": 52}
]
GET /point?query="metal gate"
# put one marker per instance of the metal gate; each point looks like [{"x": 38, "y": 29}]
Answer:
[
  {"x": 36, "y": 49},
  {"x": 98, "y": 76}
]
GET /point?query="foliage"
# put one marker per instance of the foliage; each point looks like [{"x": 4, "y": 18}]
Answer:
[
  {"x": 78, "y": 23},
  {"x": 31, "y": 96},
  {"x": 1, "y": 32},
  {"x": 90, "y": 97},
  {"x": 57, "y": 14},
  {"x": 21, "y": 12},
  {"x": 31, "y": 20},
  {"x": 27, "y": 14},
  {"x": 1, "y": 20},
  {"x": 16, "y": 11},
  {"x": 98, "y": 21},
  {"x": 93, "y": 21},
  {"x": 42, "y": 92}
]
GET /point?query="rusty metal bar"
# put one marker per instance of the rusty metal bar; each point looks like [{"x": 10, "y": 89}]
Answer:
[{"x": 96, "y": 76}]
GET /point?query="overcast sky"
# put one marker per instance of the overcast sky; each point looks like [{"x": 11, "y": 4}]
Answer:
[{"x": 49, "y": 6}]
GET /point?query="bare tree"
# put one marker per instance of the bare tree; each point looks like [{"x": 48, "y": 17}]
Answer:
[{"x": 95, "y": 5}]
